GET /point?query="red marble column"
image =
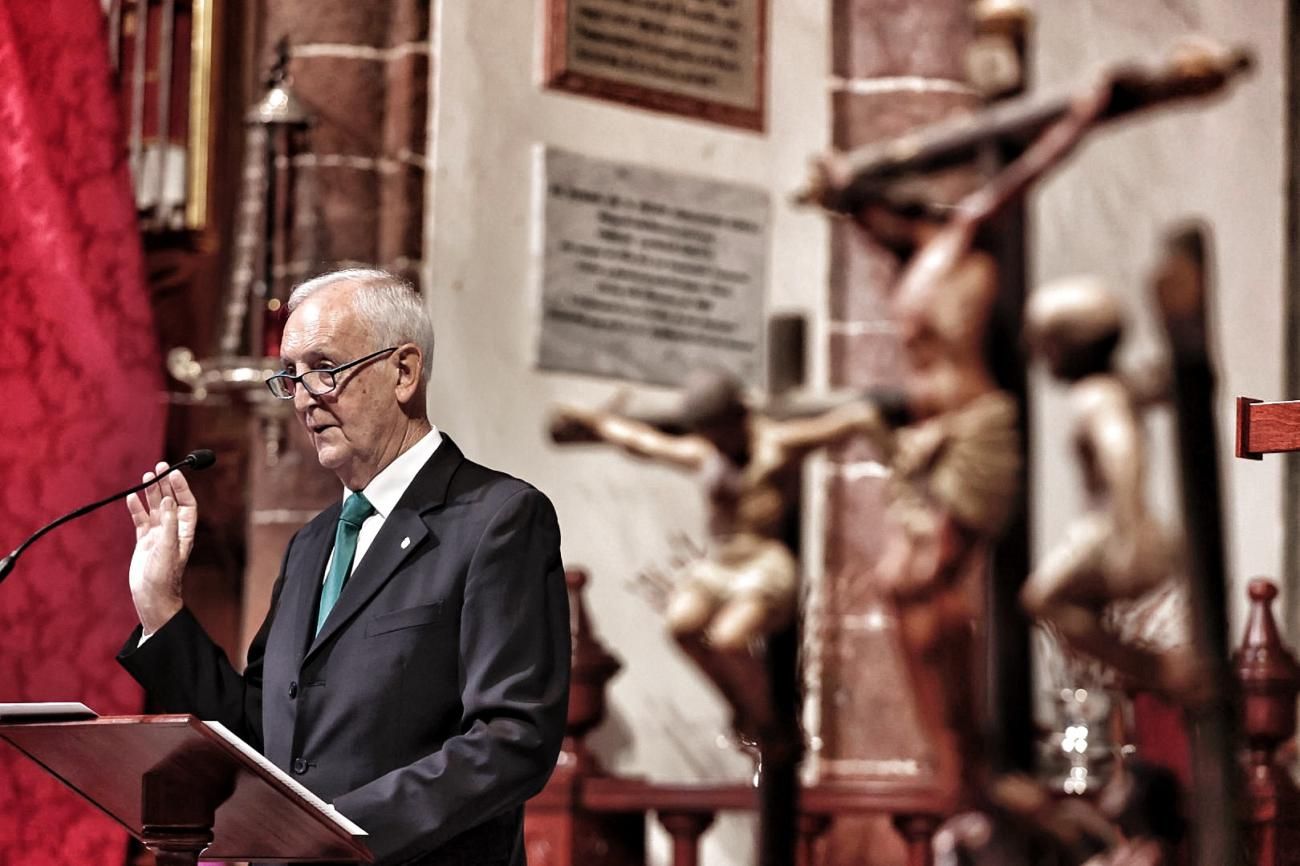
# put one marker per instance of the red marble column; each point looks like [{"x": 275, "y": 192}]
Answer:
[
  {"x": 896, "y": 65},
  {"x": 364, "y": 70}
]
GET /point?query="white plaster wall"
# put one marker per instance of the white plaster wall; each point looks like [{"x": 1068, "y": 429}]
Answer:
[
  {"x": 1107, "y": 211},
  {"x": 617, "y": 516}
]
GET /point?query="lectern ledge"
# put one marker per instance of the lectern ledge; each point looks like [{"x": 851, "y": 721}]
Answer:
[{"x": 182, "y": 786}]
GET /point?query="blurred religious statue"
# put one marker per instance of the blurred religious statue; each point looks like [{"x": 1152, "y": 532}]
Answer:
[
  {"x": 1116, "y": 551},
  {"x": 953, "y": 448},
  {"x": 745, "y": 584},
  {"x": 953, "y": 443}
]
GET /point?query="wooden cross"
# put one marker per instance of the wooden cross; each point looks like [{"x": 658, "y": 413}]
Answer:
[{"x": 1267, "y": 428}]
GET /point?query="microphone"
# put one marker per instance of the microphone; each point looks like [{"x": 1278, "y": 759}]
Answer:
[{"x": 201, "y": 458}]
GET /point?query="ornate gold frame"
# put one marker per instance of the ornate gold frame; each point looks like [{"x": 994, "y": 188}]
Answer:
[
  {"x": 200, "y": 132},
  {"x": 558, "y": 76}
]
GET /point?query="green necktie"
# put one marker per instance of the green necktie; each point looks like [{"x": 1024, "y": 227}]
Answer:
[{"x": 355, "y": 511}]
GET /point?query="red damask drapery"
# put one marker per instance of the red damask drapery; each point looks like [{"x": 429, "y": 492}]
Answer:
[{"x": 80, "y": 401}]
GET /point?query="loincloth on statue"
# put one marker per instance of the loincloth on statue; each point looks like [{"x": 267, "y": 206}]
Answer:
[
  {"x": 965, "y": 462},
  {"x": 744, "y": 565},
  {"x": 1138, "y": 589},
  {"x": 1092, "y": 553},
  {"x": 1158, "y": 620}
]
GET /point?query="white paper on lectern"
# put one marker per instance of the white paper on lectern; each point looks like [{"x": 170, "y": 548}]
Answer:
[
  {"x": 46, "y": 710},
  {"x": 262, "y": 761}
]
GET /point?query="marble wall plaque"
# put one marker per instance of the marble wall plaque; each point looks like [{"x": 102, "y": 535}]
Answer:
[
  {"x": 648, "y": 274},
  {"x": 701, "y": 58}
]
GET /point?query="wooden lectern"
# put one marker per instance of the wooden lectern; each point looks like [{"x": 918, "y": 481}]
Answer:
[{"x": 185, "y": 787}]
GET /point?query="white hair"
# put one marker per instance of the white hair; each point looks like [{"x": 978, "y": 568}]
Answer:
[{"x": 388, "y": 304}]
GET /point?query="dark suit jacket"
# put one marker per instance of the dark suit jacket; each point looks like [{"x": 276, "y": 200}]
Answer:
[{"x": 433, "y": 702}]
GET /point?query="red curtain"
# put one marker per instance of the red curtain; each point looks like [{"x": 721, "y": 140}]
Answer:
[{"x": 81, "y": 411}]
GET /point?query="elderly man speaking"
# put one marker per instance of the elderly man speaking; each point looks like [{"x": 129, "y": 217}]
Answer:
[{"x": 413, "y": 669}]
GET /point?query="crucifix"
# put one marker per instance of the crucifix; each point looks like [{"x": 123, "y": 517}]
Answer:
[{"x": 875, "y": 186}]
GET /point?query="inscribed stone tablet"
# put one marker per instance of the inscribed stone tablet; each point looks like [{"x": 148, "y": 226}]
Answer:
[{"x": 647, "y": 274}]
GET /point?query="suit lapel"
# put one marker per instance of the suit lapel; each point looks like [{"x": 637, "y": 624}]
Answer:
[
  {"x": 304, "y": 572},
  {"x": 384, "y": 557}
]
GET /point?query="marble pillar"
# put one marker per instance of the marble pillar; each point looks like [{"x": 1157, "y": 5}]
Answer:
[{"x": 896, "y": 65}]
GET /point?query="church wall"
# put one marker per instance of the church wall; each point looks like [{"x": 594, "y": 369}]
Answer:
[{"x": 617, "y": 516}]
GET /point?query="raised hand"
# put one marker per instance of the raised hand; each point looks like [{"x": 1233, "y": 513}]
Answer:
[{"x": 165, "y": 517}]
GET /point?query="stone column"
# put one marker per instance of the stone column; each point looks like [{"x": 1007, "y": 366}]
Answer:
[
  {"x": 363, "y": 69},
  {"x": 896, "y": 65}
]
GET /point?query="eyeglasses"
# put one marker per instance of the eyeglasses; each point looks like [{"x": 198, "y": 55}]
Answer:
[{"x": 317, "y": 382}]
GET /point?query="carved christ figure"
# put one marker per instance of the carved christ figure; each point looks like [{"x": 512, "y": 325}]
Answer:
[
  {"x": 954, "y": 447},
  {"x": 953, "y": 444},
  {"x": 1116, "y": 550},
  {"x": 956, "y": 452},
  {"x": 745, "y": 585}
]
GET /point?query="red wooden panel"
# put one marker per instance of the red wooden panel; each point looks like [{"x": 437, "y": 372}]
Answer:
[{"x": 1267, "y": 428}]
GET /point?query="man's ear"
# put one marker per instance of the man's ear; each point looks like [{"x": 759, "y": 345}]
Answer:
[{"x": 409, "y": 361}]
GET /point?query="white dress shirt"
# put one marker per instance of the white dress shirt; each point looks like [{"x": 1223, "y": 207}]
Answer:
[{"x": 383, "y": 491}]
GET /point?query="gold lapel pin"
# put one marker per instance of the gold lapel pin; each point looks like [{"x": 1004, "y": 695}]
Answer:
[{"x": 406, "y": 542}]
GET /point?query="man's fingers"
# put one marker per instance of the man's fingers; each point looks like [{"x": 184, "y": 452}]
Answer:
[
  {"x": 164, "y": 480},
  {"x": 169, "y": 544},
  {"x": 165, "y": 485},
  {"x": 181, "y": 490},
  {"x": 168, "y": 520},
  {"x": 152, "y": 495},
  {"x": 139, "y": 514}
]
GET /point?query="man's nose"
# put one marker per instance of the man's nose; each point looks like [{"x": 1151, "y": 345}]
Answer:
[{"x": 302, "y": 398}]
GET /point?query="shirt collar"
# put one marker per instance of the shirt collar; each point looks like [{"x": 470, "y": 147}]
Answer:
[{"x": 386, "y": 488}]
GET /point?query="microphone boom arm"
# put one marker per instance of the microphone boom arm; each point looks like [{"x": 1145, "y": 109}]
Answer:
[{"x": 199, "y": 459}]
